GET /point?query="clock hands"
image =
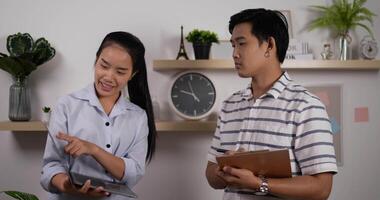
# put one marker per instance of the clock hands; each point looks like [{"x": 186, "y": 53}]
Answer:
[
  {"x": 186, "y": 92},
  {"x": 192, "y": 92}
]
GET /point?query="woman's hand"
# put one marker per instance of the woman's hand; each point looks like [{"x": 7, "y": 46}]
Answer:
[
  {"x": 63, "y": 184},
  {"x": 76, "y": 146}
]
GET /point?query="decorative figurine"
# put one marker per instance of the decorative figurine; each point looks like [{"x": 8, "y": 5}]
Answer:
[
  {"x": 326, "y": 54},
  {"x": 182, "y": 51}
]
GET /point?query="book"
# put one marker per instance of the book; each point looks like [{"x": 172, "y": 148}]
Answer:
[
  {"x": 297, "y": 47},
  {"x": 299, "y": 56},
  {"x": 270, "y": 164}
]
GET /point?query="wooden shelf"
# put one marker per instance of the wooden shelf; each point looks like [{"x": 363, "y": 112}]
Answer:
[
  {"x": 165, "y": 126},
  {"x": 223, "y": 64},
  {"x": 22, "y": 126}
]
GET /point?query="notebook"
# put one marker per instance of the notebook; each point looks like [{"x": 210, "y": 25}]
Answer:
[
  {"x": 270, "y": 164},
  {"x": 113, "y": 188}
]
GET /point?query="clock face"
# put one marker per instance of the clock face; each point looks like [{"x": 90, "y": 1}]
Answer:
[
  {"x": 369, "y": 51},
  {"x": 368, "y": 48},
  {"x": 192, "y": 95}
]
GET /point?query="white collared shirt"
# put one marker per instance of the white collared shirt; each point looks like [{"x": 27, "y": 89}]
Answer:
[{"x": 122, "y": 133}]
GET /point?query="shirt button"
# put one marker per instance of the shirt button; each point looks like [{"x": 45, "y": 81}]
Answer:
[
  {"x": 107, "y": 123},
  {"x": 108, "y": 145}
]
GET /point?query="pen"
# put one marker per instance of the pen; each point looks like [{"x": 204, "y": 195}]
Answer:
[{"x": 221, "y": 150}]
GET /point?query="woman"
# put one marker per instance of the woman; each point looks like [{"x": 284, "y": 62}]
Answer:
[{"x": 97, "y": 132}]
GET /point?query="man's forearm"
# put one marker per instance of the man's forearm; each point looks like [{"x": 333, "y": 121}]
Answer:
[
  {"x": 213, "y": 180},
  {"x": 316, "y": 187}
]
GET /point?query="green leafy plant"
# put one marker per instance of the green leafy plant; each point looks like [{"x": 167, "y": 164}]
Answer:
[
  {"x": 25, "y": 55},
  {"x": 202, "y": 37},
  {"x": 46, "y": 109},
  {"x": 342, "y": 16},
  {"x": 20, "y": 195}
]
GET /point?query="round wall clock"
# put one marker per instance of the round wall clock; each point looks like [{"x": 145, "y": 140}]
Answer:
[
  {"x": 192, "y": 95},
  {"x": 368, "y": 48}
]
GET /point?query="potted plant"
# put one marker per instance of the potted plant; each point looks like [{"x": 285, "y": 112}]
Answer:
[
  {"x": 17, "y": 195},
  {"x": 342, "y": 16},
  {"x": 202, "y": 41},
  {"x": 45, "y": 115},
  {"x": 25, "y": 55}
]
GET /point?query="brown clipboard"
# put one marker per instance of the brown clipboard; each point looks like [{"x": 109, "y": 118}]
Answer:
[{"x": 270, "y": 164}]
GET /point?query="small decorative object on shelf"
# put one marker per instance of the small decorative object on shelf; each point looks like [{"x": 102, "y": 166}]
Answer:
[
  {"x": 202, "y": 41},
  {"x": 327, "y": 54},
  {"x": 182, "y": 51},
  {"x": 342, "y": 16},
  {"x": 368, "y": 48},
  {"x": 192, "y": 95},
  {"x": 25, "y": 55},
  {"x": 298, "y": 50},
  {"x": 45, "y": 115}
]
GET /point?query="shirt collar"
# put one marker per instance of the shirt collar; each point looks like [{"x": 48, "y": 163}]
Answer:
[
  {"x": 89, "y": 94},
  {"x": 279, "y": 86},
  {"x": 275, "y": 91}
]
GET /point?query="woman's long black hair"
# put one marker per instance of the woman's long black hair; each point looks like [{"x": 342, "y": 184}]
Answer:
[{"x": 138, "y": 86}]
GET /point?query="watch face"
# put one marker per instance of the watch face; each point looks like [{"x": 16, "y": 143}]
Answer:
[{"x": 192, "y": 95}]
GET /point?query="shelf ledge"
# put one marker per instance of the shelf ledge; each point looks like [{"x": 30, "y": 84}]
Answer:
[
  {"x": 161, "y": 126},
  {"x": 227, "y": 64}
]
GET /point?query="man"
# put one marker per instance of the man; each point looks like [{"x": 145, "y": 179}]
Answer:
[{"x": 271, "y": 113}]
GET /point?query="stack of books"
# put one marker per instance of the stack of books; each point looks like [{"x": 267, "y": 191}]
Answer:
[{"x": 298, "y": 50}]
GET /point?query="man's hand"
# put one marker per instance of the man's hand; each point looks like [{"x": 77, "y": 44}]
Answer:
[
  {"x": 76, "y": 146},
  {"x": 240, "y": 178}
]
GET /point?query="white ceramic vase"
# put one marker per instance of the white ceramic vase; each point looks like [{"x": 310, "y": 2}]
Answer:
[{"x": 45, "y": 117}]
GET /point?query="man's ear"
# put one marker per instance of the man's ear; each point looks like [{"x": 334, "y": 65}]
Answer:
[{"x": 271, "y": 43}]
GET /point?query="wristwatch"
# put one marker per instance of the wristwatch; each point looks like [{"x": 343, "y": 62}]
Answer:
[{"x": 263, "y": 188}]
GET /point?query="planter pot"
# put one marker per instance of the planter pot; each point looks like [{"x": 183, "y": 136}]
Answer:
[
  {"x": 45, "y": 118},
  {"x": 202, "y": 51},
  {"x": 19, "y": 100},
  {"x": 343, "y": 46}
]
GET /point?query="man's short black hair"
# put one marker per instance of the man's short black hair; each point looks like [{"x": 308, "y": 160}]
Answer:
[{"x": 265, "y": 23}]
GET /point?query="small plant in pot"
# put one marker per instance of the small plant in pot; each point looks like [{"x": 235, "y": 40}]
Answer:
[
  {"x": 202, "y": 41},
  {"x": 342, "y": 16},
  {"x": 45, "y": 115}
]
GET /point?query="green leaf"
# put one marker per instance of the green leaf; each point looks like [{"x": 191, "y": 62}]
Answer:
[
  {"x": 43, "y": 52},
  {"x": 25, "y": 54},
  {"x": 10, "y": 65},
  {"x": 19, "y": 44},
  {"x": 342, "y": 16},
  {"x": 21, "y": 195},
  {"x": 202, "y": 36}
]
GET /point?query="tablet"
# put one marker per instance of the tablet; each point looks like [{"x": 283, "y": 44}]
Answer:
[{"x": 113, "y": 188}]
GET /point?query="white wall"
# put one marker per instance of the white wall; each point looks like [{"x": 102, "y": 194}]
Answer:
[{"x": 76, "y": 29}]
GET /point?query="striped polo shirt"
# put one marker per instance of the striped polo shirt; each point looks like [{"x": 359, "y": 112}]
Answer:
[{"x": 287, "y": 116}]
